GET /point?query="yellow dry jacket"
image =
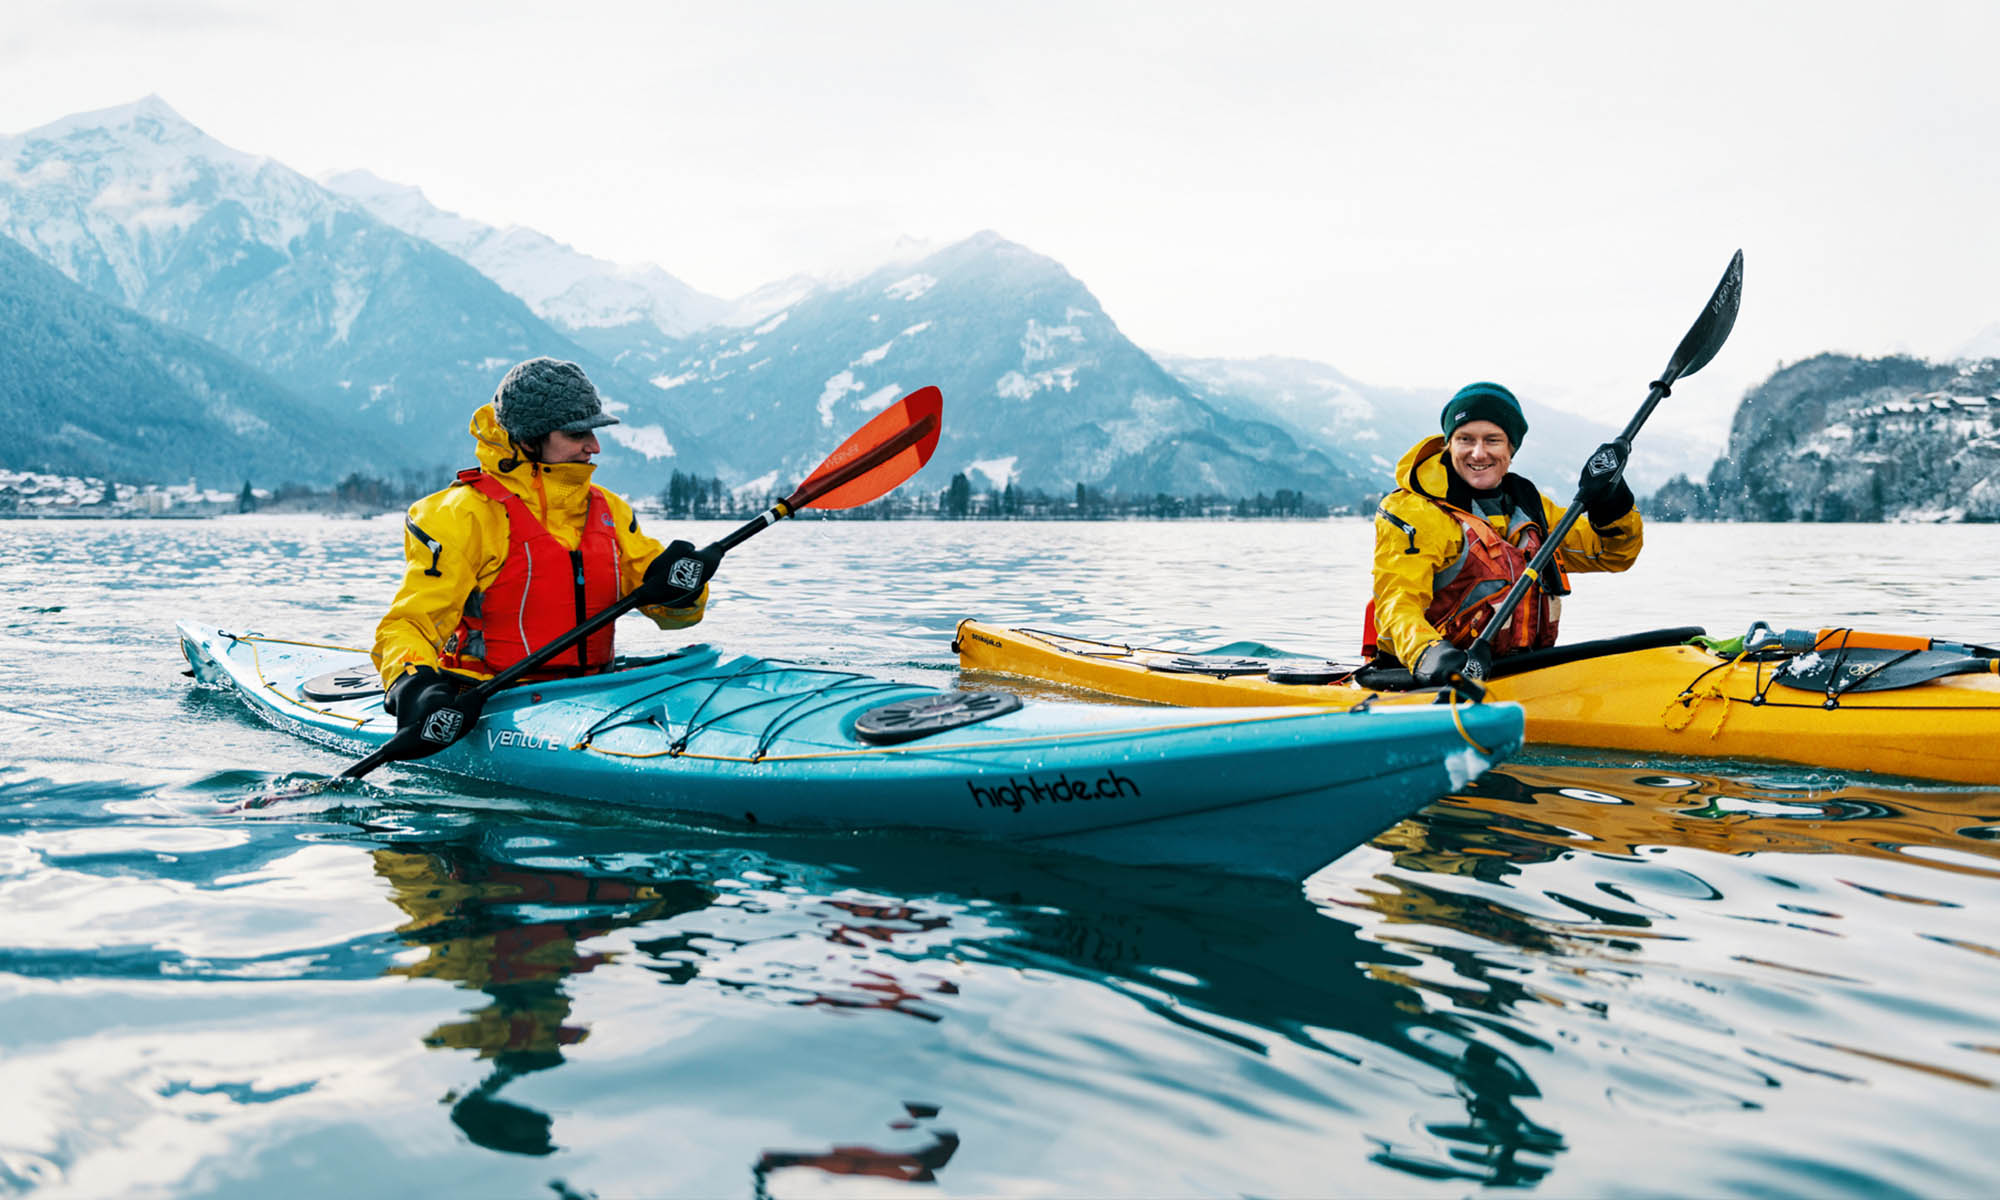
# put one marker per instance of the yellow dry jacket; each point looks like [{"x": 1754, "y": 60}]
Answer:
[
  {"x": 455, "y": 540},
  {"x": 1416, "y": 541}
]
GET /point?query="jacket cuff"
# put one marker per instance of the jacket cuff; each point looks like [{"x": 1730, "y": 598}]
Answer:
[{"x": 678, "y": 618}]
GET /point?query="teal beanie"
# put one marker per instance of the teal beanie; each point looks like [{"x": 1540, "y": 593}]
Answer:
[{"x": 1485, "y": 402}]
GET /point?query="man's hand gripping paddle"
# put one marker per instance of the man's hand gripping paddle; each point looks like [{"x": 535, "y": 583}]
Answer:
[
  {"x": 1703, "y": 339},
  {"x": 880, "y": 456}
]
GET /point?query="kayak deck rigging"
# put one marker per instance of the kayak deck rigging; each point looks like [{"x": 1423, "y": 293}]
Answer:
[{"x": 844, "y": 687}]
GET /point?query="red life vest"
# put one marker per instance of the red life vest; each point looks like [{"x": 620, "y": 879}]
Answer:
[
  {"x": 1465, "y": 594},
  {"x": 543, "y": 590}
]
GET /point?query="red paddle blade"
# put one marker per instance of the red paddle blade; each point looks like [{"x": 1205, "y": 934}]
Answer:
[{"x": 882, "y": 454}]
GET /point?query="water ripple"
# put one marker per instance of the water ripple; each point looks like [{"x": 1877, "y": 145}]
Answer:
[{"x": 1585, "y": 975}]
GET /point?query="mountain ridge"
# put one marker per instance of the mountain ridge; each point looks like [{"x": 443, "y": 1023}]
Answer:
[
  {"x": 366, "y": 296},
  {"x": 141, "y": 206},
  {"x": 559, "y": 283},
  {"x": 89, "y": 387},
  {"x": 996, "y": 325},
  {"x": 1841, "y": 438}
]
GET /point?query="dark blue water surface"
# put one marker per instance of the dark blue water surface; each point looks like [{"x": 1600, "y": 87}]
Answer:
[{"x": 1583, "y": 976}]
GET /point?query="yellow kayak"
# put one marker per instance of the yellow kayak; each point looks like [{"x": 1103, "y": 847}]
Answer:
[{"x": 1621, "y": 694}]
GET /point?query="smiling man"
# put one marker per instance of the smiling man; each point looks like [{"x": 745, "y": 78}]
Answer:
[
  {"x": 523, "y": 547},
  {"x": 1459, "y": 529}
]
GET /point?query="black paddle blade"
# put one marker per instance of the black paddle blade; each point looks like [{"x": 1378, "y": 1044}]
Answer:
[
  {"x": 1711, "y": 329},
  {"x": 1871, "y": 669}
]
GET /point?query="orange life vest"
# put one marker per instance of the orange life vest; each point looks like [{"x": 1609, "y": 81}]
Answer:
[
  {"x": 543, "y": 590},
  {"x": 1465, "y": 594}
]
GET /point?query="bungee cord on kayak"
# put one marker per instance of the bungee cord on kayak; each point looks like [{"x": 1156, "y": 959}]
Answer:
[
  {"x": 1840, "y": 664},
  {"x": 844, "y": 685}
]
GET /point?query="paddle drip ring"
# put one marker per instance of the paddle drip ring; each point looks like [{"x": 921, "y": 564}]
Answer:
[
  {"x": 921, "y": 716},
  {"x": 1219, "y": 666},
  {"x": 1309, "y": 671},
  {"x": 343, "y": 683}
]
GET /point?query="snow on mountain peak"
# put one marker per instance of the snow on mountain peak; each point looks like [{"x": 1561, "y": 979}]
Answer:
[
  {"x": 147, "y": 134},
  {"x": 864, "y": 258},
  {"x": 101, "y": 195},
  {"x": 357, "y": 184},
  {"x": 149, "y": 116},
  {"x": 769, "y": 301},
  {"x": 1984, "y": 344},
  {"x": 559, "y": 282},
  {"x": 406, "y": 207}
]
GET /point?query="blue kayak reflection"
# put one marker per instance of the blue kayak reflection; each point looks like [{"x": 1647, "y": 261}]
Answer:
[{"x": 1246, "y": 962}]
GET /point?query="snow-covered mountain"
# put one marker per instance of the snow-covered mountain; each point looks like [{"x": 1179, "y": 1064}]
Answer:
[
  {"x": 1838, "y": 438},
  {"x": 1984, "y": 344},
  {"x": 637, "y": 349},
  {"x": 148, "y": 211},
  {"x": 365, "y": 300},
  {"x": 1041, "y": 389},
  {"x": 112, "y": 198},
  {"x": 89, "y": 387},
  {"x": 1364, "y": 429},
  {"x": 564, "y": 286}
]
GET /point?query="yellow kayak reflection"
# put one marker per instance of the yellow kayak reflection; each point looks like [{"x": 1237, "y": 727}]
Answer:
[{"x": 1543, "y": 811}]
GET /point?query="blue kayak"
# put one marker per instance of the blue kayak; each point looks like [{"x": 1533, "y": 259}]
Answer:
[{"x": 1264, "y": 791}]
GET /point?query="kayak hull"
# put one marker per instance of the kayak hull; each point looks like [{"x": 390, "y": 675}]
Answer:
[
  {"x": 1266, "y": 791},
  {"x": 1678, "y": 700}
]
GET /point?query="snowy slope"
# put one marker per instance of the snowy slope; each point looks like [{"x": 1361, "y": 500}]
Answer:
[
  {"x": 562, "y": 285},
  {"x": 147, "y": 211},
  {"x": 1041, "y": 389}
]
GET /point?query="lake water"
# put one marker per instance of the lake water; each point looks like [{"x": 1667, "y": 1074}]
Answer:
[{"x": 1583, "y": 976}]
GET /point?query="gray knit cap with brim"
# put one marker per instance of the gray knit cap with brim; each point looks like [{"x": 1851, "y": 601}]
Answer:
[{"x": 543, "y": 395}]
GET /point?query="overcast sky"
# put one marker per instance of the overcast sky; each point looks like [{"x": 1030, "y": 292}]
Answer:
[{"x": 1420, "y": 194}]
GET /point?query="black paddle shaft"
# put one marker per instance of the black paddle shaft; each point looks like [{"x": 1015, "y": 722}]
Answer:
[
  {"x": 806, "y": 493},
  {"x": 1703, "y": 339}
]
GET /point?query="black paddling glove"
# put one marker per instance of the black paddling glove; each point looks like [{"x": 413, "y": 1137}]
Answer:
[
  {"x": 1602, "y": 486},
  {"x": 420, "y": 692},
  {"x": 677, "y": 576},
  {"x": 1607, "y": 509},
  {"x": 1437, "y": 664}
]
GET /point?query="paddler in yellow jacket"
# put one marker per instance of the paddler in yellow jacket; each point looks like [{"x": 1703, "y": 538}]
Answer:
[
  {"x": 522, "y": 548},
  {"x": 1459, "y": 529}
]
